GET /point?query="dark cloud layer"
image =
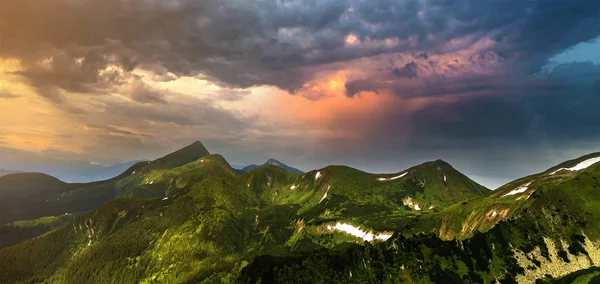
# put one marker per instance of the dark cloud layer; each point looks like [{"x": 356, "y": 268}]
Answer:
[
  {"x": 246, "y": 43},
  {"x": 552, "y": 114},
  {"x": 407, "y": 71}
]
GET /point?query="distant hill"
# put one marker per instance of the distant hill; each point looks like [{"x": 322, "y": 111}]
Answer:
[
  {"x": 28, "y": 196},
  {"x": 274, "y": 163},
  {"x": 7, "y": 172},
  {"x": 65, "y": 170}
]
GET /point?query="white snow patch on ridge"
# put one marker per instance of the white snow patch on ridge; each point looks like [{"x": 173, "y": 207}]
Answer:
[
  {"x": 357, "y": 232},
  {"x": 317, "y": 175},
  {"x": 392, "y": 178},
  {"x": 518, "y": 190},
  {"x": 580, "y": 166},
  {"x": 325, "y": 195}
]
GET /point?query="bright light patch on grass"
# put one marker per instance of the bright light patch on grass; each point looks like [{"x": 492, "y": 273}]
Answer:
[
  {"x": 392, "y": 178},
  {"x": 411, "y": 204},
  {"x": 357, "y": 232},
  {"x": 292, "y": 187},
  {"x": 583, "y": 165},
  {"x": 518, "y": 190},
  {"x": 166, "y": 198}
]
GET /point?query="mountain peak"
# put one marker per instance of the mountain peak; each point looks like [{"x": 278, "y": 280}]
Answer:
[
  {"x": 272, "y": 161},
  {"x": 182, "y": 156},
  {"x": 276, "y": 163},
  {"x": 196, "y": 143}
]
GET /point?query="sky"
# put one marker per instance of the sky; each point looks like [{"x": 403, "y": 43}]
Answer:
[{"x": 499, "y": 89}]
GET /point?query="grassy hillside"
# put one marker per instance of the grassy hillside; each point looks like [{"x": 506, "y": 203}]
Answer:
[
  {"x": 206, "y": 222},
  {"x": 541, "y": 234},
  {"x": 19, "y": 231},
  {"x": 28, "y": 196},
  {"x": 214, "y": 222}
]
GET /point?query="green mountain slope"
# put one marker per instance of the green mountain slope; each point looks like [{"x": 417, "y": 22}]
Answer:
[
  {"x": 152, "y": 182},
  {"x": 213, "y": 222},
  {"x": 206, "y": 222},
  {"x": 30, "y": 196},
  {"x": 511, "y": 235},
  {"x": 574, "y": 193}
]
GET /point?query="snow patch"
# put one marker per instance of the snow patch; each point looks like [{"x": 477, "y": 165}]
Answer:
[
  {"x": 133, "y": 172},
  {"x": 444, "y": 177},
  {"x": 292, "y": 187},
  {"x": 494, "y": 213},
  {"x": 392, "y": 178},
  {"x": 357, "y": 232},
  {"x": 431, "y": 207},
  {"x": 325, "y": 195},
  {"x": 317, "y": 175},
  {"x": 518, "y": 190},
  {"x": 583, "y": 165},
  {"x": 166, "y": 198}
]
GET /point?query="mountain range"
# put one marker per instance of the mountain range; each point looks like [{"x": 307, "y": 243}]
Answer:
[
  {"x": 12, "y": 161},
  {"x": 191, "y": 217}
]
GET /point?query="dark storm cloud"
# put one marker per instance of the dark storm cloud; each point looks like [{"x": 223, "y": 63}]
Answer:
[
  {"x": 141, "y": 93},
  {"x": 544, "y": 114},
  {"x": 407, "y": 71},
  {"x": 247, "y": 43},
  {"x": 422, "y": 55},
  {"x": 356, "y": 86}
]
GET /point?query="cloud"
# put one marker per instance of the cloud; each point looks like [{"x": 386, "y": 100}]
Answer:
[
  {"x": 232, "y": 94},
  {"x": 7, "y": 95},
  {"x": 407, "y": 71},
  {"x": 245, "y": 44},
  {"x": 142, "y": 93},
  {"x": 526, "y": 114},
  {"x": 369, "y": 80}
]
